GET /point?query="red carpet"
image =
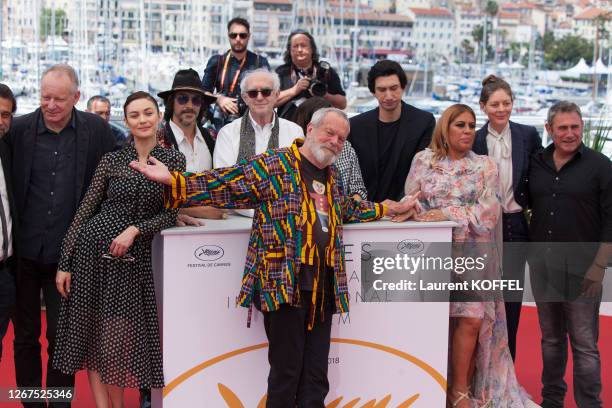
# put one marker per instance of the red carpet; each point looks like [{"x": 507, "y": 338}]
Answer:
[
  {"x": 83, "y": 397},
  {"x": 529, "y": 364}
]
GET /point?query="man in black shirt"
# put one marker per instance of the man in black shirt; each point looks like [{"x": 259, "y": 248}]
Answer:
[
  {"x": 224, "y": 71},
  {"x": 303, "y": 76},
  {"x": 570, "y": 190},
  {"x": 387, "y": 138},
  {"x": 55, "y": 150},
  {"x": 8, "y": 106}
]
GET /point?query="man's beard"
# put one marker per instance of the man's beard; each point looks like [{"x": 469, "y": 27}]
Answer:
[
  {"x": 324, "y": 156},
  {"x": 3, "y": 131},
  {"x": 236, "y": 49},
  {"x": 187, "y": 122}
]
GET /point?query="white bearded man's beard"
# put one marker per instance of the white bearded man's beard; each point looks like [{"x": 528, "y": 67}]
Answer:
[{"x": 323, "y": 156}]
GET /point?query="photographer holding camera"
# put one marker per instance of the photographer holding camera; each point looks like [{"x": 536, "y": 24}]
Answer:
[
  {"x": 304, "y": 76},
  {"x": 224, "y": 72}
]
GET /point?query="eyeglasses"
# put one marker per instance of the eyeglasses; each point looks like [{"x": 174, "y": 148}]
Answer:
[
  {"x": 124, "y": 258},
  {"x": 196, "y": 100},
  {"x": 243, "y": 36},
  {"x": 5, "y": 115},
  {"x": 265, "y": 92}
]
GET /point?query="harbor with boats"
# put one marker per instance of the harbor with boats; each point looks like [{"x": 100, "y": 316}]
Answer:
[{"x": 118, "y": 47}]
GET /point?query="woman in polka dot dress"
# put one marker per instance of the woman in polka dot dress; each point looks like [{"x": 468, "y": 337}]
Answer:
[{"x": 108, "y": 317}]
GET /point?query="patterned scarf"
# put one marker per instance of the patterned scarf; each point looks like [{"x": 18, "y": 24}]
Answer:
[{"x": 247, "y": 137}]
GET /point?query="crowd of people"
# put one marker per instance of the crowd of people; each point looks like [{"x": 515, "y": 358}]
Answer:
[{"x": 81, "y": 203}]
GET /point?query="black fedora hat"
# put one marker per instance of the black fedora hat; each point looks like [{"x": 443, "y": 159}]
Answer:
[{"x": 188, "y": 80}]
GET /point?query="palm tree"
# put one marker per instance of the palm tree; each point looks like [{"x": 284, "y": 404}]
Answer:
[{"x": 491, "y": 8}]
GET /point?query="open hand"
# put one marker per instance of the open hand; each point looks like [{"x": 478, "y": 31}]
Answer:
[
  {"x": 431, "y": 216},
  {"x": 184, "y": 220},
  {"x": 156, "y": 171}
]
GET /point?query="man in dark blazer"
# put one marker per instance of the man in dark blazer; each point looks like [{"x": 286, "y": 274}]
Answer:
[
  {"x": 387, "y": 138},
  {"x": 525, "y": 141},
  {"x": 55, "y": 151},
  {"x": 8, "y": 106}
]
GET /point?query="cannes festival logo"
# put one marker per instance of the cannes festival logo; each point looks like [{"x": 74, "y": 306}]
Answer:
[
  {"x": 208, "y": 253},
  {"x": 231, "y": 398}
]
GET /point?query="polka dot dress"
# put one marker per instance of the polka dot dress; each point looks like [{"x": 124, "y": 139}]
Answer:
[{"x": 109, "y": 321}]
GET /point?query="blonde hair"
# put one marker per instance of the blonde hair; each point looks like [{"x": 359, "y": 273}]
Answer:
[{"x": 439, "y": 138}]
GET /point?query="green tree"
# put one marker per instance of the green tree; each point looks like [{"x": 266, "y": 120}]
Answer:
[
  {"x": 568, "y": 50},
  {"x": 477, "y": 34},
  {"x": 46, "y": 22},
  {"x": 548, "y": 41},
  {"x": 467, "y": 50},
  {"x": 491, "y": 8}
]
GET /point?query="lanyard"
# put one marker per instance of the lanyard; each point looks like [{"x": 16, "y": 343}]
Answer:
[{"x": 224, "y": 72}]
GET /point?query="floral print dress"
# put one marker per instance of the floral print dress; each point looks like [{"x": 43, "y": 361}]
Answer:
[{"x": 466, "y": 190}]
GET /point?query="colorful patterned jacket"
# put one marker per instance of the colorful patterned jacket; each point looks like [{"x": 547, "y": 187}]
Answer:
[{"x": 271, "y": 183}]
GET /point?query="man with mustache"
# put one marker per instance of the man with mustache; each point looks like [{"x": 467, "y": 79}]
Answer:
[
  {"x": 224, "y": 72},
  {"x": 185, "y": 104},
  {"x": 570, "y": 194},
  {"x": 8, "y": 106},
  {"x": 294, "y": 271}
]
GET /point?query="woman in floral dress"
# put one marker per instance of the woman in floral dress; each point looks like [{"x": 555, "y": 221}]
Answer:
[
  {"x": 108, "y": 317},
  {"x": 458, "y": 185}
]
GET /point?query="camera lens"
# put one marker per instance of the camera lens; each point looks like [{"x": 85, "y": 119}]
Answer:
[{"x": 317, "y": 88}]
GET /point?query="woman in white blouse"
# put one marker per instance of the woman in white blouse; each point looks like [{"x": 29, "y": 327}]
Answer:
[{"x": 510, "y": 145}]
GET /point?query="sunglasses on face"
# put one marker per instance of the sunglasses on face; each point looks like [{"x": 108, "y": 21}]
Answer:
[
  {"x": 242, "y": 36},
  {"x": 196, "y": 100},
  {"x": 265, "y": 92}
]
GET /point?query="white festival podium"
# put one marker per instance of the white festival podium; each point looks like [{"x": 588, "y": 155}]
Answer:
[{"x": 382, "y": 353}]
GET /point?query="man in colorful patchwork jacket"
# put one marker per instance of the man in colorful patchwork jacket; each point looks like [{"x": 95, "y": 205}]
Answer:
[{"x": 294, "y": 270}]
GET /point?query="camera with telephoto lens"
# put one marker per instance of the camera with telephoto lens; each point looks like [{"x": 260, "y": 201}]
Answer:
[
  {"x": 242, "y": 108},
  {"x": 318, "y": 84}
]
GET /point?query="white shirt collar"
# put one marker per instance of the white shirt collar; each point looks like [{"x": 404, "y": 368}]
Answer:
[
  {"x": 180, "y": 136},
  {"x": 503, "y": 134},
  {"x": 267, "y": 126}
]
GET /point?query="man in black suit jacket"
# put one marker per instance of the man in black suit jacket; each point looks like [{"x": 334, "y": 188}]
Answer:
[
  {"x": 55, "y": 151},
  {"x": 8, "y": 107},
  {"x": 387, "y": 138},
  {"x": 525, "y": 141}
]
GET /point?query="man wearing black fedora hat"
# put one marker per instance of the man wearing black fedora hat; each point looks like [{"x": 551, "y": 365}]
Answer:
[{"x": 186, "y": 103}]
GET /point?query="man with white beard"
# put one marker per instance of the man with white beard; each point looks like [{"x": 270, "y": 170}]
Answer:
[{"x": 294, "y": 271}]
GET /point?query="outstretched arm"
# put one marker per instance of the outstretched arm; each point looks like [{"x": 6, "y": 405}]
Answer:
[{"x": 240, "y": 186}]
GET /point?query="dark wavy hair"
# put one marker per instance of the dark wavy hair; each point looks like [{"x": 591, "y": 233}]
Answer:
[
  {"x": 313, "y": 46},
  {"x": 6, "y": 93},
  {"x": 386, "y": 68}
]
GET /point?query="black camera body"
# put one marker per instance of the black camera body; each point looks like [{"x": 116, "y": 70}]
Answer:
[
  {"x": 318, "y": 84},
  {"x": 219, "y": 118},
  {"x": 242, "y": 108}
]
